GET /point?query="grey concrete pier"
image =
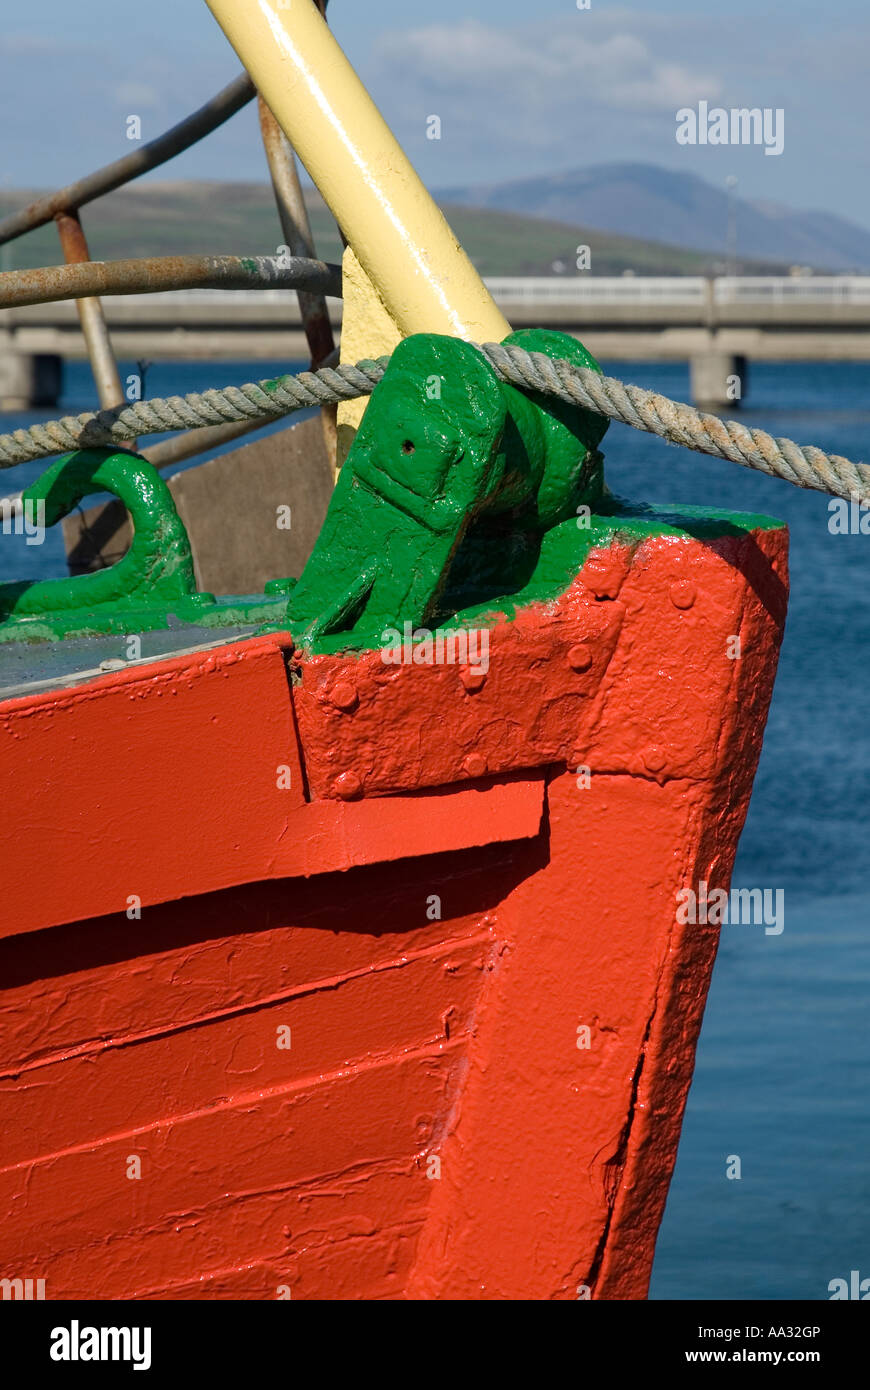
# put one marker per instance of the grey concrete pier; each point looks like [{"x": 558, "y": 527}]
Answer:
[
  {"x": 718, "y": 380},
  {"x": 29, "y": 380}
]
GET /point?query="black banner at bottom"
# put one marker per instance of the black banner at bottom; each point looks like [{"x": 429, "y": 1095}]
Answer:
[{"x": 83, "y": 1339}]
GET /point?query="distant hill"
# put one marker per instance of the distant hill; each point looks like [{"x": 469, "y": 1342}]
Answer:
[
  {"x": 156, "y": 218},
  {"x": 676, "y": 209}
]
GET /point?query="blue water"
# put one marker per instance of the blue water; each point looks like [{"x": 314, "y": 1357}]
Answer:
[{"x": 783, "y": 1071}]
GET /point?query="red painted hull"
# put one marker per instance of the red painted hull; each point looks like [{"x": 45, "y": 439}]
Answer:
[{"x": 436, "y": 1127}]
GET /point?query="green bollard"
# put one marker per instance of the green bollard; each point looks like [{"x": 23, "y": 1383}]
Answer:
[{"x": 443, "y": 446}]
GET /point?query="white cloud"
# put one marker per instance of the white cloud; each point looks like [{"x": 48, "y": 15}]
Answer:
[
  {"x": 574, "y": 91},
  {"x": 530, "y": 71}
]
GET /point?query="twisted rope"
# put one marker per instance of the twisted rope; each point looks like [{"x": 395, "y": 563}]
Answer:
[
  {"x": 803, "y": 465},
  {"x": 259, "y": 400}
]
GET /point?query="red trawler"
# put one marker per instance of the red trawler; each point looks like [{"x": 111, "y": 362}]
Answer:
[{"x": 341, "y": 956}]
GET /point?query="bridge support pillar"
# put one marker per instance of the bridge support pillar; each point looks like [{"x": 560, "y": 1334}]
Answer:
[
  {"x": 29, "y": 379},
  {"x": 718, "y": 380}
]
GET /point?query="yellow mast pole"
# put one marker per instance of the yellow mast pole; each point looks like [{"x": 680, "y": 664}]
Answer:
[{"x": 401, "y": 239}]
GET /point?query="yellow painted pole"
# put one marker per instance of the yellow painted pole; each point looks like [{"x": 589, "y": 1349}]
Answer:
[{"x": 399, "y": 236}]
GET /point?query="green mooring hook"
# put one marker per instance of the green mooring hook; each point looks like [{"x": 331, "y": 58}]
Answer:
[{"x": 158, "y": 568}]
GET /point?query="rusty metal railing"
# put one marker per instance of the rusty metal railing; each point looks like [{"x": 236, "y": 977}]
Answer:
[
  {"x": 90, "y": 311},
  {"x": 296, "y": 228},
  {"x": 85, "y": 280},
  {"x": 175, "y": 141}
]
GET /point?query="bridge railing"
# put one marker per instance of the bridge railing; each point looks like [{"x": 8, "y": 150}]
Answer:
[
  {"x": 587, "y": 289},
  {"x": 818, "y": 289},
  {"x": 540, "y": 291},
  {"x": 684, "y": 290}
]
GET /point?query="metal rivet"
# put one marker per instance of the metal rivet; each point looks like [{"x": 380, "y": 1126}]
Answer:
[
  {"x": 654, "y": 757},
  {"x": 343, "y": 696},
  {"x": 347, "y": 786},
  {"x": 472, "y": 678},
  {"x": 683, "y": 593},
  {"x": 474, "y": 765},
  {"x": 580, "y": 657}
]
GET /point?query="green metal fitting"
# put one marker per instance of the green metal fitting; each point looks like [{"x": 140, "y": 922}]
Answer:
[
  {"x": 152, "y": 584},
  {"x": 444, "y": 450}
]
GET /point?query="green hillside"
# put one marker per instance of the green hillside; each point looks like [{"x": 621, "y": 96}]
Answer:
[{"x": 161, "y": 219}]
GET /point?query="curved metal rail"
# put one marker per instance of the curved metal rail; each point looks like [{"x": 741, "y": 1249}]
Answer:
[{"x": 150, "y": 156}]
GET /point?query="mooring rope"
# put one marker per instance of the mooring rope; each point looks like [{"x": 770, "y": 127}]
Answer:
[{"x": 803, "y": 465}]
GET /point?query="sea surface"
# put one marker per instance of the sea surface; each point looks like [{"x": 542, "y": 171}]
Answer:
[{"x": 782, "y": 1081}]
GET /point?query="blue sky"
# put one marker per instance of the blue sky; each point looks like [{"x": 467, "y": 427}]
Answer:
[{"x": 519, "y": 88}]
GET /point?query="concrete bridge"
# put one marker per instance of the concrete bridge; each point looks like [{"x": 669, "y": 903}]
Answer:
[{"x": 717, "y": 325}]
